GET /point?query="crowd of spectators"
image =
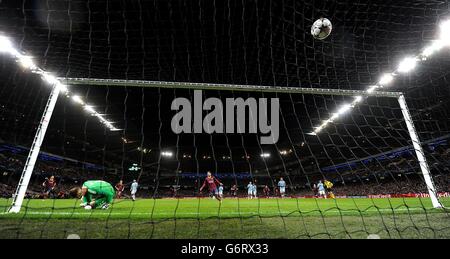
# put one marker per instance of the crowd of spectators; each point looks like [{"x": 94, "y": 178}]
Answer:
[{"x": 66, "y": 176}]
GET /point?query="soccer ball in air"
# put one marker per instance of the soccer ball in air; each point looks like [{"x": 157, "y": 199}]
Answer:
[{"x": 321, "y": 29}]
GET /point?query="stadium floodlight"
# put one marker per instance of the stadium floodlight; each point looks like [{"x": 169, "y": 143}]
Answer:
[
  {"x": 317, "y": 130},
  {"x": 407, "y": 65},
  {"x": 109, "y": 124},
  {"x": 344, "y": 109},
  {"x": 100, "y": 117},
  {"x": 50, "y": 79},
  {"x": 325, "y": 123},
  {"x": 445, "y": 32},
  {"x": 334, "y": 117},
  {"x": 433, "y": 48},
  {"x": 265, "y": 155},
  {"x": 373, "y": 88},
  {"x": 89, "y": 109},
  {"x": 6, "y": 45},
  {"x": 285, "y": 152},
  {"x": 358, "y": 99},
  {"x": 77, "y": 99},
  {"x": 27, "y": 62},
  {"x": 166, "y": 154},
  {"x": 63, "y": 88},
  {"x": 386, "y": 79}
]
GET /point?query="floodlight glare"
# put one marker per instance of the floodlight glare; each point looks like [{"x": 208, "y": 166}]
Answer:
[
  {"x": 434, "y": 47},
  {"x": 358, "y": 99},
  {"x": 26, "y": 62},
  {"x": 372, "y": 88},
  {"x": 166, "y": 154},
  {"x": 318, "y": 130},
  {"x": 89, "y": 109},
  {"x": 62, "y": 88},
  {"x": 445, "y": 32},
  {"x": 334, "y": 117},
  {"x": 344, "y": 109},
  {"x": 6, "y": 45},
  {"x": 386, "y": 79},
  {"x": 325, "y": 123},
  {"x": 285, "y": 152},
  {"x": 407, "y": 65},
  {"x": 265, "y": 155},
  {"x": 77, "y": 99},
  {"x": 50, "y": 79}
]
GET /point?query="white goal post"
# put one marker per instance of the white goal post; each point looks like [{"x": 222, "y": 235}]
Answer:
[{"x": 35, "y": 149}]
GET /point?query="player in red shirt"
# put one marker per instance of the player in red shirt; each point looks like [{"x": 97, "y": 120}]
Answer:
[
  {"x": 49, "y": 187},
  {"x": 212, "y": 183},
  {"x": 266, "y": 191},
  {"x": 119, "y": 188}
]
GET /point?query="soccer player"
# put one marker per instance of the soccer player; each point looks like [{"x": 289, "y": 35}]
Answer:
[
  {"x": 255, "y": 190},
  {"x": 221, "y": 191},
  {"x": 233, "y": 190},
  {"x": 211, "y": 181},
  {"x": 49, "y": 187},
  {"x": 321, "y": 189},
  {"x": 172, "y": 191},
  {"x": 119, "y": 189},
  {"x": 314, "y": 188},
  {"x": 282, "y": 187},
  {"x": 329, "y": 188},
  {"x": 94, "y": 194},
  {"x": 266, "y": 191},
  {"x": 250, "y": 190},
  {"x": 134, "y": 189}
]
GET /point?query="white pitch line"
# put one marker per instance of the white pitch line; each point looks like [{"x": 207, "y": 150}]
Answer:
[{"x": 105, "y": 213}]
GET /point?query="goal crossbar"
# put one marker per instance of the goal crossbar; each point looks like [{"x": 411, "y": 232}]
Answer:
[{"x": 226, "y": 87}]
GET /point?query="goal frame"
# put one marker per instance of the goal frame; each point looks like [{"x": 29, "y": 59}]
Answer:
[{"x": 46, "y": 117}]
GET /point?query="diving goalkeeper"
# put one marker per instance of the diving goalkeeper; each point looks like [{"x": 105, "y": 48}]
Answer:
[{"x": 95, "y": 194}]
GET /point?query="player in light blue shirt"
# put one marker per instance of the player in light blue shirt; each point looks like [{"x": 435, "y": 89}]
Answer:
[
  {"x": 321, "y": 189},
  {"x": 282, "y": 186},
  {"x": 134, "y": 188},
  {"x": 220, "y": 190},
  {"x": 250, "y": 190},
  {"x": 254, "y": 191}
]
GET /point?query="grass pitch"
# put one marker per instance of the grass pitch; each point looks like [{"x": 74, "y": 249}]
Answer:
[{"x": 234, "y": 218}]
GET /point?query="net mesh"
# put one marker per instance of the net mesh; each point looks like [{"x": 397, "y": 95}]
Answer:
[{"x": 367, "y": 154}]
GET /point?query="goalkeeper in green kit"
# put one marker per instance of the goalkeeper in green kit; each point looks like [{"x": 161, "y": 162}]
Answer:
[{"x": 95, "y": 194}]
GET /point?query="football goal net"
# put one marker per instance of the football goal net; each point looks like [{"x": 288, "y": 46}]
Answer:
[
  {"x": 364, "y": 143},
  {"x": 223, "y": 119}
]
